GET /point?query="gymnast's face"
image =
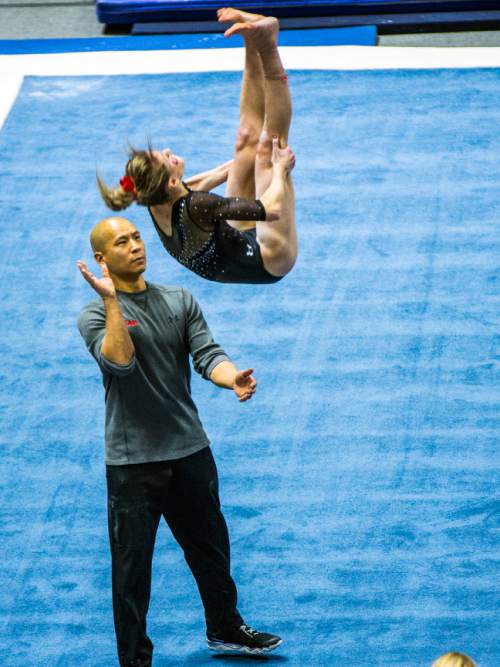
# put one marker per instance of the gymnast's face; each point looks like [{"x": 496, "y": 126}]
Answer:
[
  {"x": 173, "y": 163},
  {"x": 122, "y": 248}
]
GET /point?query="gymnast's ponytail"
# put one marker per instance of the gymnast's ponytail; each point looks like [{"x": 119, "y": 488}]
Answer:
[
  {"x": 115, "y": 198},
  {"x": 145, "y": 182}
]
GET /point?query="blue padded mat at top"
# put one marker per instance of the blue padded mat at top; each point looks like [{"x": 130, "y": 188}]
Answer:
[
  {"x": 137, "y": 11},
  {"x": 361, "y": 36}
]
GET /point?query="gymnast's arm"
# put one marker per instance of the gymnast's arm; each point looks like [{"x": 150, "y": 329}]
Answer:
[
  {"x": 206, "y": 207},
  {"x": 117, "y": 346},
  {"x": 208, "y": 180}
]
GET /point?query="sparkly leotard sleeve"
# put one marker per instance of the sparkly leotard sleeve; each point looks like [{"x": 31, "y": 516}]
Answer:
[{"x": 204, "y": 242}]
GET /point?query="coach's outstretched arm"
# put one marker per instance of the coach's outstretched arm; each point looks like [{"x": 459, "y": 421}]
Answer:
[
  {"x": 209, "y": 359},
  {"x": 117, "y": 346}
]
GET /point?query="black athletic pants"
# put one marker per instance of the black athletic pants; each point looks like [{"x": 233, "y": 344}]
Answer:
[{"x": 185, "y": 492}]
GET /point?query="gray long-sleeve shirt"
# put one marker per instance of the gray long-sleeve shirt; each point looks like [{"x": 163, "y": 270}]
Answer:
[{"x": 150, "y": 414}]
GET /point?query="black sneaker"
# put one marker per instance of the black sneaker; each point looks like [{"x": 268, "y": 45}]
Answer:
[{"x": 244, "y": 640}]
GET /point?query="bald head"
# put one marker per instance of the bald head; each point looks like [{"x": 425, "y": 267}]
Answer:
[
  {"x": 117, "y": 243},
  {"x": 107, "y": 230}
]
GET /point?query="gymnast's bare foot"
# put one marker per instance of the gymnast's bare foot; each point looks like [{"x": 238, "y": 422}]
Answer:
[
  {"x": 229, "y": 14},
  {"x": 252, "y": 25}
]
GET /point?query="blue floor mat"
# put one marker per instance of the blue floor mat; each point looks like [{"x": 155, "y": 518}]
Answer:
[
  {"x": 360, "y": 36},
  {"x": 361, "y": 483}
]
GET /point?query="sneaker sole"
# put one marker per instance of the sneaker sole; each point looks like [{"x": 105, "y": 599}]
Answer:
[{"x": 239, "y": 648}]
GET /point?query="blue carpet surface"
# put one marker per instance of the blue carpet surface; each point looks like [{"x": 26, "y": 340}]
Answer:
[{"x": 361, "y": 483}]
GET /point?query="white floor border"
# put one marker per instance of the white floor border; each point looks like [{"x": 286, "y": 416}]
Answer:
[
  {"x": 108, "y": 63},
  {"x": 9, "y": 85}
]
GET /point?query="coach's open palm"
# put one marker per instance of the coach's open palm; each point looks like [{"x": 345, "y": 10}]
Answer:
[
  {"x": 244, "y": 385},
  {"x": 103, "y": 286}
]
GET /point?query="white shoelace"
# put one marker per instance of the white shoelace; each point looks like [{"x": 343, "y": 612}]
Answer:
[{"x": 248, "y": 630}]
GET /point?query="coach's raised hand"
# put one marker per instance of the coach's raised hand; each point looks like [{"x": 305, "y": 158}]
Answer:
[
  {"x": 117, "y": 345},
  {"x": 103, "y": 286}
]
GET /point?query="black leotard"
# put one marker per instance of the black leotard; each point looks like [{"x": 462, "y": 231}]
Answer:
[{"x": 204, "y": 242}]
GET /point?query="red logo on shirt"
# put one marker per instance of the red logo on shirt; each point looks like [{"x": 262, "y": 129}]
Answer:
[{"x": 131, "y": 323}]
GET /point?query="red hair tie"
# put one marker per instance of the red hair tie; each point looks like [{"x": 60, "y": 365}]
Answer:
[{"x": 128, "y": 184}]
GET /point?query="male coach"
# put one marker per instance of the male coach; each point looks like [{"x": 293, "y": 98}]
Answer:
[{"x": 158, "y": 460}]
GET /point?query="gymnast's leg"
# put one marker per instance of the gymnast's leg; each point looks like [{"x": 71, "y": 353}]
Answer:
[
  {"x": 277, "y": 239},
  {"x": 241, "y": 179}
]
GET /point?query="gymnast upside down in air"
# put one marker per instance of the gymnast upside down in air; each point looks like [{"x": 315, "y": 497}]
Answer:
[{"x": 249, "y": 235}]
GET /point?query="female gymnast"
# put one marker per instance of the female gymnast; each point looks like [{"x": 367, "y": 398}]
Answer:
[{"x": 249, "y": 235}]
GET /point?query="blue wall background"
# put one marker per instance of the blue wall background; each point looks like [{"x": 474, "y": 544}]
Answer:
[{"x": 361, "y": 483}]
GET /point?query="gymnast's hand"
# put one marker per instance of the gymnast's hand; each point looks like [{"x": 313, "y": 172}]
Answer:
[
  {"x": 282, "y": 158},
  {"x": 103, "y": 286},
  {"x": 244, "y": 385}
]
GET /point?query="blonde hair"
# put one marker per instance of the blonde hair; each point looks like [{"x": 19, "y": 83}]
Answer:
[
  {"x": 150, "y": 178},
  {"x": 453, "y": 659}
]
